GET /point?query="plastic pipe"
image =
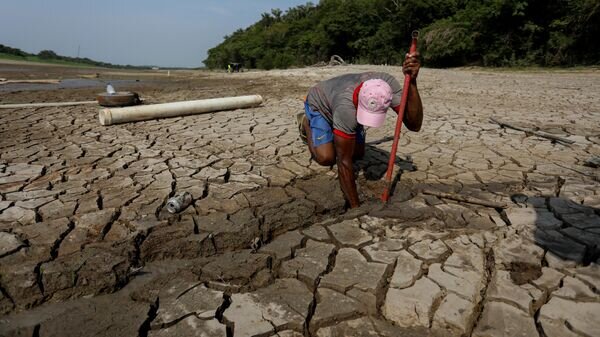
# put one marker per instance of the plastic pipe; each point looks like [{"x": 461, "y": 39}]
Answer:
[{"x": 165, "y": 110}]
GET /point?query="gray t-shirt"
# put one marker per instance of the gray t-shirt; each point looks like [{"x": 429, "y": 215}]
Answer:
[{"x": 333, "y": 98}]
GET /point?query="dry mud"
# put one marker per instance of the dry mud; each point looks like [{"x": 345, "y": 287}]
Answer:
[{"x": 268, "y": 247}]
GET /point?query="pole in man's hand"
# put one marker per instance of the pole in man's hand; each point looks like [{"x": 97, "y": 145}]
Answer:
[{"x": 407, "y": 78}]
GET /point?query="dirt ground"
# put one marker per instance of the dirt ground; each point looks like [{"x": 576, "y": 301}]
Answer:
[{"x": 268, "y": 247}]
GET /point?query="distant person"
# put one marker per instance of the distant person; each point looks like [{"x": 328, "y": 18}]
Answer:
[
  {"x": 229, "y": 68},
  {"x": 337, "y": 110}
]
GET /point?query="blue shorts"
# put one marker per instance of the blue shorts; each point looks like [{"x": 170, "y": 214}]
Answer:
[{"x": 321, "y": 130}]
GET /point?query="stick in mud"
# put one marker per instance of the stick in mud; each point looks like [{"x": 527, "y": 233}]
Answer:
[
  {"x": 533, "y": 132},
  {"x": 465, "y": 198}
]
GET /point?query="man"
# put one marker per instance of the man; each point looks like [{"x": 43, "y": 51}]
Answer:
[{"x": 336, "y": 111}]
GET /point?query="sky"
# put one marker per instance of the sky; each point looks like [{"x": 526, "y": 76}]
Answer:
[{"x": 176, "y": 33}]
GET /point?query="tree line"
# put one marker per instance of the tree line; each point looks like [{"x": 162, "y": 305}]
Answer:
[
  {"x": 453, "y": 33},
  {"x": 49, "y": 55}
]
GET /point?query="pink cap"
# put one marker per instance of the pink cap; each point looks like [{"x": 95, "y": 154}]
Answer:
[{"x": 374, "y": 99}]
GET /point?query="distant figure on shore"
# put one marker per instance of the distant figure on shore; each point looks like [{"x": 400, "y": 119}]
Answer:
[{"x": 337, "y": 110}]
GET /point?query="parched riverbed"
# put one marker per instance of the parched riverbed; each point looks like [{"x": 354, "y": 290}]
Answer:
[{"x": 268, "y": 247}]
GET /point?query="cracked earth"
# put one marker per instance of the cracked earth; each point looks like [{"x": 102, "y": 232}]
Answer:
[{"x": 268, "y": 248}]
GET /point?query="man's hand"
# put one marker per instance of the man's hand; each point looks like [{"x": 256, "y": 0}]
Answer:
[{"x": 411, "y": 65}]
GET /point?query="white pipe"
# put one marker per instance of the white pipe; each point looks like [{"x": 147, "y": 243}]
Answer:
[
  {"x": 175, "y": 109},
  {"x": 44, "y": 105}
]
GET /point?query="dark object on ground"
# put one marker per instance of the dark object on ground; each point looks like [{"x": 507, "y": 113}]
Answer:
[
  {"x": 592, "y": 162},
  {"x": 336, "y": 60},
  {"x": 465, "y": 198},
  {"x": 533, "y": 132},
  {"x": 234, "y": 67},
  {"x": 120, "y": 98}
]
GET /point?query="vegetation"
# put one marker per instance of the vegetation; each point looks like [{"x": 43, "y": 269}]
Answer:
[
  {"x": 453, "y": 33},
  {"x": 49, "y": 56}
]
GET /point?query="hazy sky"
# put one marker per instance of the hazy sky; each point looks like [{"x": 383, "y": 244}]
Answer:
[{"x": 138, "y": 32}]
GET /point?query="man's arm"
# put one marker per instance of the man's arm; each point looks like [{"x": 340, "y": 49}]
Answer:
[
  {"x": 344, "y": 150},
  {"x": 413, "y": 117}
]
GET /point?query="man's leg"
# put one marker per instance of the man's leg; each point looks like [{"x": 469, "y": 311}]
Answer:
[
  {"x": 323, "y": 154},
  {"x": 319, "y": 137}
]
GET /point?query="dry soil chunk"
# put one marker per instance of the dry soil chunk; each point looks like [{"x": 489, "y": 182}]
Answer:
[
  {"x": 549, "y": 280},
  {"x": 503, "y": 289},
  {"x": 310, "y": 262},
  {"x": 197, "y": 300},
  {"x": 514, "y": 249},
  {"x": 192, "y": 326},
  {"x": 83, "y": 319},
  {"x": 462, "y": 282},
  {"x": 334, "y": 307},
  {"x": 9, "y": 243},
  {"x": 19, "y": 215},
  {"x": 412, "y": 306},
  {"x": 581, "y": 316},
  {"x": 363, "y": 327},
  {"x": 353, "y": 271},
  {"x": 407, "y": 270},
  {"x": 385, "y": 251},
  {"x": 501, "y": 319},
  {"x": 429, "y": 250},
  {"x": 348, "y": 233},
  {"x": 575, "y": 289},
  {"x": 283, "y": 246},
  {"x": 316, "y": 232},
  {"x": 454, "y": 317},
  {"x": 282, "y": 305}
]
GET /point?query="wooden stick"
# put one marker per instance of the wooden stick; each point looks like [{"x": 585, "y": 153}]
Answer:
[
  {"x": 42, "y": 81},
  {"x": 533, "y": 132},
  {"x": 44, "y": 105},
  {"x": 465, "y": 198}
]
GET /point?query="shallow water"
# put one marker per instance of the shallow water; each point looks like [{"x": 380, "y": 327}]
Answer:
[{"x": 75, "y": 83}]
